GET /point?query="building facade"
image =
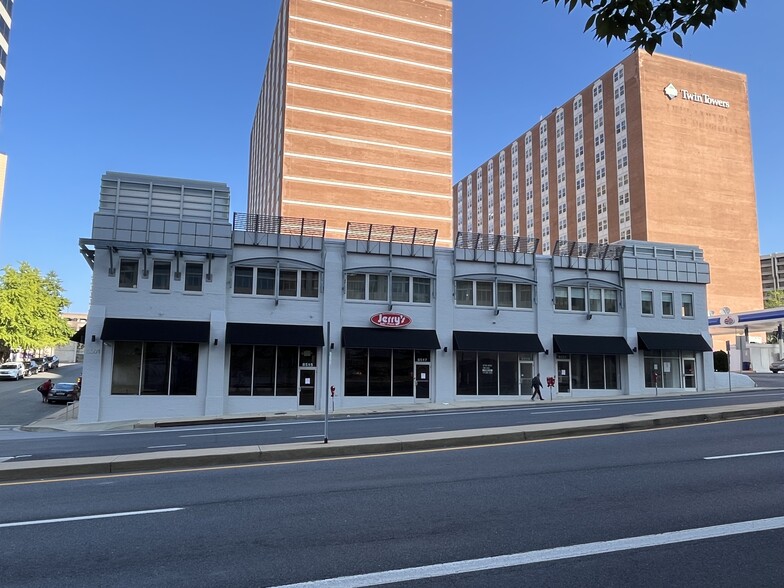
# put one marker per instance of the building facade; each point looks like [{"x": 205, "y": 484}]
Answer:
[
  {"x": 193, "y": 315},
  {"x": 354, "y": 119},
  {"x": 656, "y": 149},
  {"x": 772, "y": 269}
]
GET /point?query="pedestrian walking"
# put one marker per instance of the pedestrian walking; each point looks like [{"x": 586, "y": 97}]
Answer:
[
  {"x": 536, "y": 385},
  {"x": 44, "y": 389}
]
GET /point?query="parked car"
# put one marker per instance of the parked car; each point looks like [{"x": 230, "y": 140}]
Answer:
[
  {"x": 43, "y": 365},
  {"x": 12, "y": 370},
  {"x": 31, "y": 367},
  {"x": 63, "y": 392},
  {"x": 777, "y": 366},
  {"x": 53, "y": 360}
]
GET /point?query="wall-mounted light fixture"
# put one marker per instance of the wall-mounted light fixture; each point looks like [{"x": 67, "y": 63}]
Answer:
[
  {"x": 332, "y": 346},
  {"x": 215, "y": 342},
  {"x": 93, "y": 339},
  {"x": 446, "y": 349},
  {"x": 634, "y": 349},
  {"x": 547, "y": 352}
]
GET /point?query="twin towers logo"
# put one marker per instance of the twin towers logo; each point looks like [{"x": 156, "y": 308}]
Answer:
[{"x": 672, "y": 93}]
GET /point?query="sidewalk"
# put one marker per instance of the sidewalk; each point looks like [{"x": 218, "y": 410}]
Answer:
[{"x": 67, "y": 418}]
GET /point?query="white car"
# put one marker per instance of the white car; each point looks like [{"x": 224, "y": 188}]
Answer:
[{"x": 12, "y": 370}]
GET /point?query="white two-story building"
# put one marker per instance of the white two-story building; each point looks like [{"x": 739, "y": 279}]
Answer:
[{"x": 194, "y": 315}]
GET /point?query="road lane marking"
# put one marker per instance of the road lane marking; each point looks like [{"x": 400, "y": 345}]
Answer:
[
  {"x": 90, "y": 517},
  {"x": 542, "y": 555},
  {"x": 233, "y": 433},
  {"x": 2, "y": 459},
  {"x": 744, "y": 454},
  {"x": 307, "y": 436},
  {"x": 167, "y": 446},
  {"x": 560, "y": 411},
  {"x": 371, "y": 455}
]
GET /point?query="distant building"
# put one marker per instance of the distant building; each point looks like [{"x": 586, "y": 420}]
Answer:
[
  {"x": 354, "y": 120},
  {"x": 656, "y": 149},
  {"x": 772, "y": 268}
]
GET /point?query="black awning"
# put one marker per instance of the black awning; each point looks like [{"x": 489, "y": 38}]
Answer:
[
  {"x": 672, "y": 342},
  {"x": 78, "y": 336},
  {"x": 118, "y": 329},
  {"x": 284, "y": 335},
  {"x": 591, "y": 345},
  {"x": 369, "y": 338},
  {"x": 481, "y": 341}
]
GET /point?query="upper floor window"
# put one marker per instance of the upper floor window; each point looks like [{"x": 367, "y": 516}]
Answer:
[
  {"x": 646, "y": 297},
  {"x": 687, "y": 305},
  {"x": 376, "y": 287},
  {"x": 194, "y": 276},
  {"x": 666, "y": 302},
  {"x": 482, "y": 293},
  {"x": 161, "y": 275},
  {"x": 129, "y": 273},
  {"x": 288, "y": 283}
]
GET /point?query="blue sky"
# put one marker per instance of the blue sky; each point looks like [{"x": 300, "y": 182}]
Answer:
[{"x": 169, "y": 87}]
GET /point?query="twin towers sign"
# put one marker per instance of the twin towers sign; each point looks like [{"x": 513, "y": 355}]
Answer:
[{"x": 672, "y": 93}]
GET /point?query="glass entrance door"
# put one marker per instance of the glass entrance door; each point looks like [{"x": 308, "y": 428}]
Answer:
[
  {"x": 526, "y": 375},
  {"x": 422, "y": 371},
  {"x": 689, "y": 376},
  {"x": 563, "y": 376},
  {"x": 307, "y": 387}
]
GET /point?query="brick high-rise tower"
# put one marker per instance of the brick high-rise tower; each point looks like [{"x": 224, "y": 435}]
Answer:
[
  {"x": 354, "y": 121},
  {"x": 656, "y": 149}
]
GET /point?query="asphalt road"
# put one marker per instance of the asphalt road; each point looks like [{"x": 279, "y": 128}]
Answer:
[
  {"x": 695, "y": 506},
  {"x": 21, "y": 404},
  {"x": 22, "y": 446}
]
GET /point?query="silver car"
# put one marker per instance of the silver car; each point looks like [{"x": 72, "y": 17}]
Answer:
[
  {"x": 12, "y": 370},
  {"x": 777, "y": 366}
]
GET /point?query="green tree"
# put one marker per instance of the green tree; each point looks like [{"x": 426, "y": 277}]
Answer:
[
  {"x": 645, "y": 23},
  {"x": 774, "y": 299},
  {"x": 30, "y": 309}
]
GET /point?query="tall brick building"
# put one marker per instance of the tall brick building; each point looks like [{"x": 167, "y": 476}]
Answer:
[
  {"x": 656, "y": 149},
  {"x": 354, "y": 120}
]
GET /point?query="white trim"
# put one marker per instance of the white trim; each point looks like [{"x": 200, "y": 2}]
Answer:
[
  {"x": 384, "y": 15},
  {"x": 362, "y": 164},
  {"x": 370, "y": 33},
  {"x": 370, "y": 210},
  {"x": 367, "y": 142},
  {"x": 366, "y": 187},
  {"x": 367, "y": 120},
  {"x": 370, "y": 76},
  {"x": 371, "y": 55},
  {"x": 370, "y": 98}
]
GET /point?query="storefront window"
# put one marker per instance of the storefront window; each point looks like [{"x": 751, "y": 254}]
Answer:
[
  {"x": 356, "y": 372},
  {"x": 579, "y": 371},
  {"x": 155, "y": 368},
  {"x": 466, "y": 373},
  {"x": 240, "y": 370},
  {"x": 507, "y": 374},
  {"x": 380, "y": 372},
  {"x": 488, "y": 374},
  {"x": 264, "y": 371},
  {"x": 287, "y": 371},
  {"x": 402, "y": 372}
]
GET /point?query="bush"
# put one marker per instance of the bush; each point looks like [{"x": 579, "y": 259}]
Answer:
[{"x": 721, "y": 362}]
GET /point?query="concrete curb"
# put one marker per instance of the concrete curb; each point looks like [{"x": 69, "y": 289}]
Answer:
[{"x": 255, "y": 454}]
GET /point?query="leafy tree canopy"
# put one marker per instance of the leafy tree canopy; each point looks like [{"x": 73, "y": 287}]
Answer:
[
  {"x": 774, "y": 299},
  {"x": 645, "y": 23},
  {"x": 30, "y": 309}
]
